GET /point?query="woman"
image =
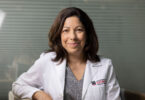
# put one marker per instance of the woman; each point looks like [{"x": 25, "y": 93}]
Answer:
[{"x": 71, "y": 69}]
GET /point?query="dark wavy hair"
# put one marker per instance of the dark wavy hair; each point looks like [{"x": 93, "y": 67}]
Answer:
[{"x": 91, "y": 45}]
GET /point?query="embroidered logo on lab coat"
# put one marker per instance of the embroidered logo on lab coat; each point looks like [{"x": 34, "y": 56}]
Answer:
[{"x": 99, "y": 82}]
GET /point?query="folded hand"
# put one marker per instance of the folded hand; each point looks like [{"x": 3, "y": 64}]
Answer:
[{"x": 41, "y": 95}]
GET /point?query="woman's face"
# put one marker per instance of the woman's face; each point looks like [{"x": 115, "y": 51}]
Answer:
[{"x": 73, "y": 36}]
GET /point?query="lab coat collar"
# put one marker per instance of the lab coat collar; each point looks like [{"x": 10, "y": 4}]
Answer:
[
  {"x": 90, "y": 71},
  {"x": 60, "y": 75}
]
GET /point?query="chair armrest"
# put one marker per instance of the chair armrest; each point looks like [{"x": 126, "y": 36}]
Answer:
[
  {"x": 133, "y": 95},
  {"x": 11, "y": 96}
]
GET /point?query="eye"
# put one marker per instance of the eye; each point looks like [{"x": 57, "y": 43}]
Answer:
[
  {"x": 80, "y": 30},
  {"x": 65, "y": 31}
]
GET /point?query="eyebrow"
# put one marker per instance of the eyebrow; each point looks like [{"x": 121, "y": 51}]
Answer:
[{"x": 76, "y": 27}]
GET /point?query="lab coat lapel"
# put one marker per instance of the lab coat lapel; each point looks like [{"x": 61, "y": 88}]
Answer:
[
  {"x": 90, "y": 71},
  {"x": 60, "y": 75}
]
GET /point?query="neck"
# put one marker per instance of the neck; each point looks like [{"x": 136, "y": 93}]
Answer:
[{"x": 76, "y": 59}]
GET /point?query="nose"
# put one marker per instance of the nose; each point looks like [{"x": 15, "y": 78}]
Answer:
[{"x": 73, "y": 35}]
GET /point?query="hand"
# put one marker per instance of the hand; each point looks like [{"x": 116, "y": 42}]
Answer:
[{"x": 41, "y": 95}]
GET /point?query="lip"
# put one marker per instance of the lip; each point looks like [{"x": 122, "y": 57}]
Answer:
[{"x": 73, "y": 44}]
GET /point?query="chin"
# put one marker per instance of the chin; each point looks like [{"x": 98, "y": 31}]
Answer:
[{"x": 74, "y": 52}]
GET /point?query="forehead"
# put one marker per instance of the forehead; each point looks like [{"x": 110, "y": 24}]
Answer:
[{"x": 73, "y": 21}]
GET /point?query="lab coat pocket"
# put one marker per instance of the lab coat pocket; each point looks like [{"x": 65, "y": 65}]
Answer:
[{"x": 96, "y": 92}]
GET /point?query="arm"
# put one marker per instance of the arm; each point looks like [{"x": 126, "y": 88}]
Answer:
[
  {"x": 30, "y": 82},
  {"x": 113, "y": 88}
]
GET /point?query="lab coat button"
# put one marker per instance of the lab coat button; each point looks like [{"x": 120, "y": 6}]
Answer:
[{"x": 60, "y": 97}]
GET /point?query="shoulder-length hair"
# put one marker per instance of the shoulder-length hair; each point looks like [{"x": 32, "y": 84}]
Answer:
[{"x": 54, "y": 36}]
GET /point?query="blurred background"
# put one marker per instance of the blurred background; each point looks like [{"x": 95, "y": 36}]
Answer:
[{"x": 120, "y": 25}]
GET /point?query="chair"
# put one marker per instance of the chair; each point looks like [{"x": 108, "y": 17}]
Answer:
[
  {"x": 12, "y": 97},
  {"x": 131, "y": 95}
]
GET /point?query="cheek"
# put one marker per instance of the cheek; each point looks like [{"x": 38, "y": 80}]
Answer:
[
  {"x": 63, "y": 39},
  {"x": 83, "y": 39}
]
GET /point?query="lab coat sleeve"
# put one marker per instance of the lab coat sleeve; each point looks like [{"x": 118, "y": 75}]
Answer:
[
  {"x": 29, "y": 82},
  {"x": 112, "y": 85}
]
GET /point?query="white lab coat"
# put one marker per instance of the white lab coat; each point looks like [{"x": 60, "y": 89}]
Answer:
[{"x": 49, "y": 76}]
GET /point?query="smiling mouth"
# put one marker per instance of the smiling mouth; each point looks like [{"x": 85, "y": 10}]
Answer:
[{"x": 73, "y": 44}]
